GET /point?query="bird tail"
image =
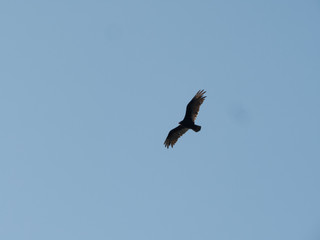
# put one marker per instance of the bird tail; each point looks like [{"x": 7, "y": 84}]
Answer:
[{"x": 196, "y": 128}]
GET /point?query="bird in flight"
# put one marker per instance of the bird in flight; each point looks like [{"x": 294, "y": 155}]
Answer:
[{"x": 188, "y": 121}]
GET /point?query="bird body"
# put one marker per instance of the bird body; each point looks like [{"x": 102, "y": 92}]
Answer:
[
  {"x": 191, "y": 125},
  {"x": 188, "y": 120}
]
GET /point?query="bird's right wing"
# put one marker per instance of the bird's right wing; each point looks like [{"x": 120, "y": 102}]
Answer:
[
  {"x": 174, "y": 134},
  {"x": 194, "y": 105}
]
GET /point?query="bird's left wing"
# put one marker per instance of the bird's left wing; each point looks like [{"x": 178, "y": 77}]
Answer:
[
  {"x": 174, "y": 134},
  {"x": 194, "y": 105}
]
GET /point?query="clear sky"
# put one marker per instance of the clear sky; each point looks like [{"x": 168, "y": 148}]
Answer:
[{"x": 90, "y": 89}]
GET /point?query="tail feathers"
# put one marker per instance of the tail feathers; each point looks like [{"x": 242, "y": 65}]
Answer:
[{"x": 196, "y": 128}]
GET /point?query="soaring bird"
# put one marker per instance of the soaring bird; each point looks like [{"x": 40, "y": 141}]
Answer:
[{"x": 188, "y": 121}]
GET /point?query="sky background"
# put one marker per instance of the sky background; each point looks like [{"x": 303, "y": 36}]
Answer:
[{"x": 90, "y": 89}]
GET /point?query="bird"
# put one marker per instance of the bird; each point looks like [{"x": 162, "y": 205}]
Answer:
[{"x": 188, "y": 121}]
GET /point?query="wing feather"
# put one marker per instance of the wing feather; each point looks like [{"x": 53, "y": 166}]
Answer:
[
  {"x": 174, "y": 134},
  {"x": 194, "y": 106}
]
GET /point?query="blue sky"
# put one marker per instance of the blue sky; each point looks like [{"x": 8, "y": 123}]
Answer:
[{"x": 90, "y": 89}]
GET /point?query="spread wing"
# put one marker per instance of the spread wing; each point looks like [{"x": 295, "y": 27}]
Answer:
[
  {"x": 194, "y": 105},
  {"x": 174, "y": 134}
]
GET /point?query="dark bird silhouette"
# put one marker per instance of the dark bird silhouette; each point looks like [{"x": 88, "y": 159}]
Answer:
[{"x": 188, "y": 121}]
